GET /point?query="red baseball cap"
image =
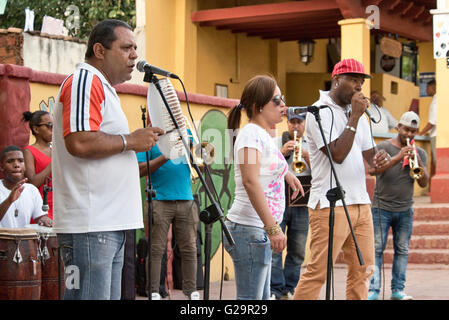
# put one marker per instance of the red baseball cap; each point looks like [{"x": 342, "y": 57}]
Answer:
[{"x": 349, "y": 66}]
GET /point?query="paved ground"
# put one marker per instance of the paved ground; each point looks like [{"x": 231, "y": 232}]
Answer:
[{"x": 424, "y": 282}]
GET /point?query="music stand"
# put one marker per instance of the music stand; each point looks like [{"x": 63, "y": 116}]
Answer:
[
  {"x": 212, "y": 213},
  {"x": 333, "y": 195}
]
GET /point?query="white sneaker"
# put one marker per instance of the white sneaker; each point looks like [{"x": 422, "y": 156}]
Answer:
[
  {"x": 155, "y": 296},
  {"x": 273, "y": 297},
  {"x": 195, "y": 295},
  {"x": 288, "y": 296}
]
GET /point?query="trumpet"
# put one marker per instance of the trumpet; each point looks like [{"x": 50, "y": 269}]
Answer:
[
  {"x": 198, "y": 150},
  {"x": 416, "y": 171},
  {"x": 298, "y": 165}
]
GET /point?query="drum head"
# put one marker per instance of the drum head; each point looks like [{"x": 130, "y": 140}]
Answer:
[
  {"x": 40, "y": 229},
  {"x": 23, "y": 233}
]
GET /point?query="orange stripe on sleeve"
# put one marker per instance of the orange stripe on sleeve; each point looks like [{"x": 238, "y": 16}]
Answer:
[
  {"x": 65, "y": 98},
  {"x": 97, "y": 97}
]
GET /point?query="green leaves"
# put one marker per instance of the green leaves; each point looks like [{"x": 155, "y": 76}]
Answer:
[{"x": 90, "y": 12}]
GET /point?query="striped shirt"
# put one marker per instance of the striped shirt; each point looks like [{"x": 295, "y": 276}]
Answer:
[{"x": 92, "y": 195}]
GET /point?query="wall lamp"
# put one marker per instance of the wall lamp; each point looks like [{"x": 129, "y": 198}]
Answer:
[{"x": 306, "y": 48}]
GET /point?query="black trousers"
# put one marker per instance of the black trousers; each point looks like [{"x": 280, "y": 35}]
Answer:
[{"x": 129, "y": 267}]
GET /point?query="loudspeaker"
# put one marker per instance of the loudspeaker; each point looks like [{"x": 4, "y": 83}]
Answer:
[{"x": 386, "y": 64}]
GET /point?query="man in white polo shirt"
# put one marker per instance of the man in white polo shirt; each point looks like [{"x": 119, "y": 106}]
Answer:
[
  {"x": 347, "y": 133},
  {"x": 95, "y": 170}
]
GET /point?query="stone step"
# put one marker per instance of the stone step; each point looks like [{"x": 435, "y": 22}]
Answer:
[
  {"x": 424, "y": 242},
  {"x": 430, "y": 228},
  {"x": 416, "y": 256},
  {"x": 431, "y": 214},
  {"x": 425, "y": 210}
]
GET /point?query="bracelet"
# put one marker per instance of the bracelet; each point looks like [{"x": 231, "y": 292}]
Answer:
[
  {"x": 124, "y": 142},
  {"x": 273, "y": 230},
  {"x": 351, "y": 128}
]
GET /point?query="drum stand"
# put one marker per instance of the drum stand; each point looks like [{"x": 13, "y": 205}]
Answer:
[
  {"x": 209, "y": 215},
  {"x": 333, "y": 195}
]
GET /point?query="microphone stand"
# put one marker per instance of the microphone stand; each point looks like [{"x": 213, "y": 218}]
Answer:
[
  {"x": 210, "y": 214},
  {"x": 333, "y": 195},
  {"x": 150, "y": 195}
]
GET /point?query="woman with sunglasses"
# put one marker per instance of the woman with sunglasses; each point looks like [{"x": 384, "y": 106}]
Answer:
[
  {"x": 259, "y": 202},
  {"x": 38, "y": 155}
]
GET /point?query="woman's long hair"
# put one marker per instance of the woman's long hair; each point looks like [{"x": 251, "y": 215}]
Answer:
[{"x": 258, "y": 92}]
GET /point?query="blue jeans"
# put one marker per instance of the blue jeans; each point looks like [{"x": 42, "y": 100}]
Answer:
[
  {"x": 401, "y": 224},
  {"x": 296, "y": 219},
  {"x": 252, "y": 261},
  {"x": 93, "y": 264}
]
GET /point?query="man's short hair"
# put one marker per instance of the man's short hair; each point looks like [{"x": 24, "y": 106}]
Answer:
[
  {"x": 8, "y": 149},
  {"x": 431, "y": 82},
  {"x": 103, "y": 33}
]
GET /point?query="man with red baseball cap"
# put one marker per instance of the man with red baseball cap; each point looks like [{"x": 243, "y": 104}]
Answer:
[
  {"x": 347, "y": 134},
  {"x": 350, "y": 66}
]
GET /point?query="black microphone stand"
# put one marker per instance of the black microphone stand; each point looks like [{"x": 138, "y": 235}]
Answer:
[
  {"x": 150, "y": 193},
  {"x": 210, "y": 214},
  {"x": 333, "y": 195}
]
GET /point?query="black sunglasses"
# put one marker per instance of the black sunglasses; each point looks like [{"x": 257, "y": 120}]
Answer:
[
  {"x": 49, "y": 125},
  {"x": 277, "y": 99}
]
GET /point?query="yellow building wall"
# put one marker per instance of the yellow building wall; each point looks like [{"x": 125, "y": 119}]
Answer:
[
  {"x": 398, "y": 103},
  {"x": 442, "y": 72},
  {"x": 426, "y": 63}
]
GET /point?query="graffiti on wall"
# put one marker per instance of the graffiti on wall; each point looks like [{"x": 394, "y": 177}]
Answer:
[
  {"x": 48, "y": 106},
  {"x": 213, "y": 129}
]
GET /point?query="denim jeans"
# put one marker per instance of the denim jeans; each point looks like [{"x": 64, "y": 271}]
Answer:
[
  {"x": 93, "y": 264},
  {"x": 284, "y": 280},
  {"x": 251, "y": 255},
  {"x": 401, "y": 224}
]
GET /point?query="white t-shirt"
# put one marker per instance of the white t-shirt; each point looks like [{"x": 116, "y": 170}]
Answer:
[
  {"x": 273, "y": 168},
  {"x": 28, "y": 205},
  {"x": 351, "y": 172},
  {"x": 433, "y": 116},
  {"x": 386, "y": 121},
  {"x": 92, "y": 195}
]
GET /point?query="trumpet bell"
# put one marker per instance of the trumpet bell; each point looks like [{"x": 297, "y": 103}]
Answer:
[
  {"x": 207, "y": 149},
  {"x": 416, "y": 172},
  {"x": 299, "y": 166}
]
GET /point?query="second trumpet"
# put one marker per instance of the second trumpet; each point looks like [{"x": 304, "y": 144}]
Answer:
[
  {"x": 416, "y": 171},
  {"x": 298, "y": 165}
]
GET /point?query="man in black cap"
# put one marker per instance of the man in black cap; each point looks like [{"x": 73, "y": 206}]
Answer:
[{"x": 296, "y": 216}]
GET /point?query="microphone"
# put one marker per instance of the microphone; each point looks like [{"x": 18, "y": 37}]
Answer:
[
  {"x": 144, "y": 66},
  {"x": 369, "y": 115},
  {"x": 45, "y": 206},
  {"x": 298, "y": 110}
]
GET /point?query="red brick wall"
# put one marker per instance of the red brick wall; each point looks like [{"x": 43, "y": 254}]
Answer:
[{"x": 11, "y": 44}]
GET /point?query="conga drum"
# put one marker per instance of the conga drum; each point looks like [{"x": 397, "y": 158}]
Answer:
[
  {"x": 20, "y": 268},
  {"x": 48, "y": 255}
]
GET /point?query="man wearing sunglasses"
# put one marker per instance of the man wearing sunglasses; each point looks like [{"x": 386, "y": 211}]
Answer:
[{"x": 348, "y": 136}]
